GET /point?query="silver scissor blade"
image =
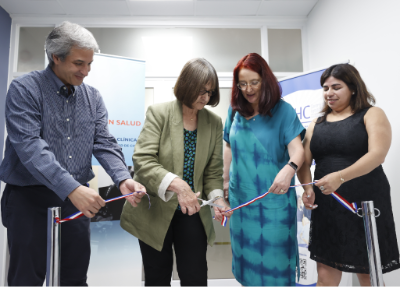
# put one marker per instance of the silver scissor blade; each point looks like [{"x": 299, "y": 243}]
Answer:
[
  {"x": 209, "y": 203},
  {"x": 215, "y": 205}
]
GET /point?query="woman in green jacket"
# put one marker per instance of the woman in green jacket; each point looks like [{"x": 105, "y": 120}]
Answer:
[{"x": 178, "y": 158}]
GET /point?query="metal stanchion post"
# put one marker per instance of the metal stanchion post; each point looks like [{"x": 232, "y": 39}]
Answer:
[
  {"x": 371, "y": 235},
  {"x": 53, "y": 247}
]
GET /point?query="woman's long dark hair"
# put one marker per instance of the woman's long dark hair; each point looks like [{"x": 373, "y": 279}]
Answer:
[{"x": 361, "y": 99}]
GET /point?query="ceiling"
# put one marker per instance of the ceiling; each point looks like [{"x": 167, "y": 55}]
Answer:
[{"x": 165, "y": 8}]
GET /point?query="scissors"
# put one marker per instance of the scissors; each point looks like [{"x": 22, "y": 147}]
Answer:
[{"x": 210, "y": 202}]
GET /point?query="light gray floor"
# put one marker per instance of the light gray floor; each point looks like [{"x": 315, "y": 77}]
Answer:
[{"x": 356, "y": 283}]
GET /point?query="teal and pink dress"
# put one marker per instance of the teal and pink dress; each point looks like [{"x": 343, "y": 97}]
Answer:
[{"x": 263, "y": 234}]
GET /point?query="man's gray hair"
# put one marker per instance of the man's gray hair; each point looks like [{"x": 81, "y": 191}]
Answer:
[{"x": 65, "y": 36}]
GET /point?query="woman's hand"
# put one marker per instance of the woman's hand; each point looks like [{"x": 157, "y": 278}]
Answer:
[
  {"x": 188, "y": 202},
  {"x": 220, "y": 211},
  {"x": 186, "y": 198},
  {"x": 226, "y": 191},
  {"x": 309, "y": 199},
  {"x": 282, "y": 181},
  {"x": 329, "y": 183}
]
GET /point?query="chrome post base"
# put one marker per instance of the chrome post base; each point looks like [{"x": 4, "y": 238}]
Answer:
[
  {"x": 53, "y": 247},
  {"x": 371, "y": 236}
]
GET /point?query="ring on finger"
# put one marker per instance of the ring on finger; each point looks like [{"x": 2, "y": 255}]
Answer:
[
  {"x": 322, "y": 188},
  {"x": 282, "y": 191}
]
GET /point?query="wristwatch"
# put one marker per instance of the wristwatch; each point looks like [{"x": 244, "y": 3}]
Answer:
[{"x": 293, "y": 165}]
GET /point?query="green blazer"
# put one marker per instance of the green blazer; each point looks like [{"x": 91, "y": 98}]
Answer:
[{"x": 159, "y": 151}]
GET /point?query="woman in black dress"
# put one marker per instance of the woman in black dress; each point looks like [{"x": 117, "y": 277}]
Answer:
[{"x": 349, "y": 143}]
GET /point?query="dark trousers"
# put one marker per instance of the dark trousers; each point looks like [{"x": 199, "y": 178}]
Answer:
[
  {"x": 187, "y": 235},
  {"x": 24, "y": 214}
]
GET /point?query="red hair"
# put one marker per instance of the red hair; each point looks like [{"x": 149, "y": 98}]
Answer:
[{"x": 270, "y": 88}]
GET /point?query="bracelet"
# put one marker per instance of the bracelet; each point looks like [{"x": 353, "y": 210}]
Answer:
[{"x": 341, "y": 178}]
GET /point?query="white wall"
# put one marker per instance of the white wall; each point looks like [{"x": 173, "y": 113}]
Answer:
[
  {"x": 366, "y": 32},
  {"x": 166, "y": 50},
  {"x": 284, "y": 50},
  {"x": 31, "y": 54}
]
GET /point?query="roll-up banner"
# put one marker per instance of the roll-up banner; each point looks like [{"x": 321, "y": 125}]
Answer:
[
  {"x": 304, "y": 93},
  {"x": 115, "y": 256}
]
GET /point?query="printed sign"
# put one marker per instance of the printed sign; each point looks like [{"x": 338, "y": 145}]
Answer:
[
  {"x": 115, "y": 254},
  {"x": 304, "y": 93},
  {"x": 121, "y": 83}
]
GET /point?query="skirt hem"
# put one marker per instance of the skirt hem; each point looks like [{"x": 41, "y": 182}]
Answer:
[{"x": 393, "y": 265}]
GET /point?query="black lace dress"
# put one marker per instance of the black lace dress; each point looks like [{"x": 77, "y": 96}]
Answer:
[{"x": 337, "y": 237}]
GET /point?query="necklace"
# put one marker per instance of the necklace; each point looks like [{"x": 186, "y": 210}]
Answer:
[{"x": 190, "y": 114}]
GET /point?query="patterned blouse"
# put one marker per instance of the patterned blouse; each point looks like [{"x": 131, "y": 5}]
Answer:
[{"x": 190, "y": 153}]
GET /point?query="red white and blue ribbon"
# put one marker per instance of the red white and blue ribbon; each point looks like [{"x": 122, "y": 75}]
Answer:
[
  {"x": 80, "y": 214},
  {"x": 350, "y": 206},
  {"x": 224, "y": 220}
]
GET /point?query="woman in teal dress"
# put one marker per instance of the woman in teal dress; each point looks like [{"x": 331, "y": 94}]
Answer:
[{"x": 263, "y": 151}]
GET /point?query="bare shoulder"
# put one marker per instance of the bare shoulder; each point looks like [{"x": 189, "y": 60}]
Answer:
[
  {"x": 376, "y": 121},
  {"x": 311, "y": 126},
  {"x": 374, "y": 113},
  {"x": 309, "y": 132}
]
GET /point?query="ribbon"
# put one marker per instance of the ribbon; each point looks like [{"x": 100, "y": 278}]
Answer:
[
  {"x": 350, "y": 206},
  {"x": 224, "y": 220},
  {"x": 80, "y": 214}
]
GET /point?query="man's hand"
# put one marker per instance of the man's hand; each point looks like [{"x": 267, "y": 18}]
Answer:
[
  {"x": 129, "y": 186},
  {"x": 86, "y": 200}
]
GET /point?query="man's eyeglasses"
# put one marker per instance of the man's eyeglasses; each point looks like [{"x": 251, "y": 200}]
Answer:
[
  {"x": 252, "y": 84},
  {"x": 209, "y": 92}
]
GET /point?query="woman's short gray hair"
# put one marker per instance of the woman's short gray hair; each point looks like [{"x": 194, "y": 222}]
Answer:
[{"x": 65, "y": 36}]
